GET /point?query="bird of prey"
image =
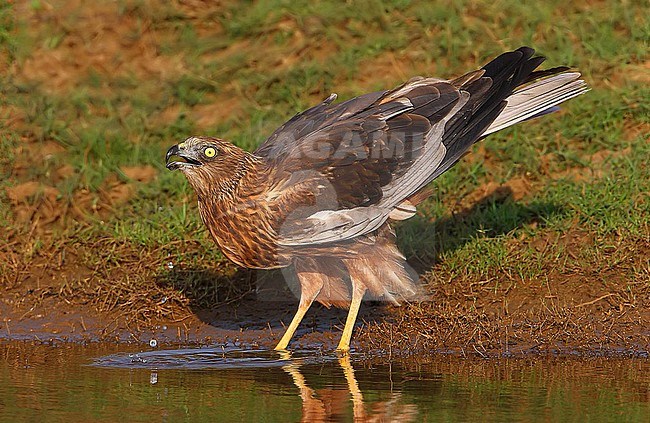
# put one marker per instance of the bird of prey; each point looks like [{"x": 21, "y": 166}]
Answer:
[{"x": 319, "y": 195}]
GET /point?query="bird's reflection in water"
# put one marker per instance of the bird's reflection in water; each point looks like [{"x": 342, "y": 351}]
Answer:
[{"x": 330, "y": 404}]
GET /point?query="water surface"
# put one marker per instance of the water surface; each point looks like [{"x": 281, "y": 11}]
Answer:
[{"x": 71, "y": 382}]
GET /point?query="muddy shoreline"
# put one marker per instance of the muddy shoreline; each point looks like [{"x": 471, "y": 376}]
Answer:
[
  {"x": 104, "y": 290},
  {"x": 415, "y": 330}
]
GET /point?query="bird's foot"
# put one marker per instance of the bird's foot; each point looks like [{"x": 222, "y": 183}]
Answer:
[
  {"x": 281, "y": 347},
  {"x": 342, "y": 351}
]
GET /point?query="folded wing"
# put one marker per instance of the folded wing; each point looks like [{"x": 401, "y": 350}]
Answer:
[{"x": 373, "y": 153}]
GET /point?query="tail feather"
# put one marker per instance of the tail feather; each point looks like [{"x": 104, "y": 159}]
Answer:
[{"x": 538, "y": 98}]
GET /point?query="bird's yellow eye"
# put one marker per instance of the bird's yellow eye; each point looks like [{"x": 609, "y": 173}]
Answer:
[{"x": 210, "y": 152}]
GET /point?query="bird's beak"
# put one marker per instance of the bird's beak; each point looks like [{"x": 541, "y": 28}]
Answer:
[{"x": 176, "y": 151}]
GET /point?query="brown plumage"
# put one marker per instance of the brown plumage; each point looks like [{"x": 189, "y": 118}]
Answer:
[{"x": 320, "y": 192}]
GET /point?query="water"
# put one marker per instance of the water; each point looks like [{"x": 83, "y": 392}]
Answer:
[{"x": 106, "y": 383}]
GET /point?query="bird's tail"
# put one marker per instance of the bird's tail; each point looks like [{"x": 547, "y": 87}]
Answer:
[{"x": 537, "y": 98}]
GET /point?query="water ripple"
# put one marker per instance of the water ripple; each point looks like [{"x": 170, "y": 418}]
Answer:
[{"x": 208, "y": 358}]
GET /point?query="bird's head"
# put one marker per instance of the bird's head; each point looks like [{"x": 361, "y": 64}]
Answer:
[{"x": 211, "y": 165}]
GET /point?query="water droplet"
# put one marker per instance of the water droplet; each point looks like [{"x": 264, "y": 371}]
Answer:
[
  {"x": 153, "y": 343},
  {"x": 170, "y": 265}
]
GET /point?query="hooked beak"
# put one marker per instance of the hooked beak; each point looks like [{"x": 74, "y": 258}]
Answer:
[{"x": 176, "y": 152}]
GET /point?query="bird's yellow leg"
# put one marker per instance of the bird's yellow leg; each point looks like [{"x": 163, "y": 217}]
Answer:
[
  {"x": 357, "y": 295},
  {"x": 305, "y": 302}
]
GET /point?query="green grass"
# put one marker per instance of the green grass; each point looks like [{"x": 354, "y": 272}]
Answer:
[{"x": 289, "y": 55}]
